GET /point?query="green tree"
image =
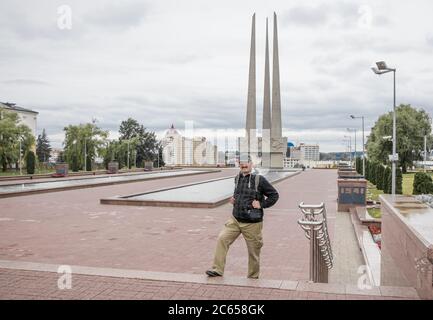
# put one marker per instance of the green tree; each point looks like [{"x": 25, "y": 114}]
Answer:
[
  {"x": 88, "y": 163},
  {"x": 422, "y": 183},
  {"x": 116, "y": 150},
  {"x": 387, "y": 180},
  {"x": 146, "y": 146},
  {"x": 412, "y": 125},
  {"x": 12, "y": 132},
  {"x": 398, "y": 181},
  {"x": 43, "y": 148},
  {"x": 30, "y": 162},
  {"x": 367, "y": 164},
  {"x": 83, "y": 138},
  {"x": 380, "y": 173}
]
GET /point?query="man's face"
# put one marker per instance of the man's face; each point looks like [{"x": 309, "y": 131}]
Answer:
[{"x": 245, "y": 167}]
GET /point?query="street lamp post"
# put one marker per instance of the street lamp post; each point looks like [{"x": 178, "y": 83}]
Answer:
[
  {"x": 381, "y": 69},
  {"x": 350, "y": 148},
  {"x": 363, "y": 143},
  {"x": 21, "y": 166},
  {"x": 425, "y": 152},
  {"x": 353, "y": 130},
  {"x": 128, "y": 154},
  {"x": 85, "y": 154}
]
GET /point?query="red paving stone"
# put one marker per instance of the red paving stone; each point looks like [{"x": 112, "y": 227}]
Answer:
[
  {"x": 72, "y": 227},
  {"x": 30, "y": 285}
]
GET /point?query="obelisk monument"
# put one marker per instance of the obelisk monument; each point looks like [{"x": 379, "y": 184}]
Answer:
[
  {"x": 266, "y": 123},
  {"x": 278, "y": 143},
  {"x": 272, "y": 145}
]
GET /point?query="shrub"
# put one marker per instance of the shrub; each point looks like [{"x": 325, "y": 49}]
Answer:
[
  {"x": 373, "y": 173},
  {"x": 74, "y": 163},
  {"x": 30, "y": 162},
  {"x": 88, "y": 163},
  {"x": 399, "y": 181},
  {"x": 380, "y": 173},
  {"x": 422, "y": 183},
  {"x": 367, "y": 167},
  {"x": 387, "y": 180}
]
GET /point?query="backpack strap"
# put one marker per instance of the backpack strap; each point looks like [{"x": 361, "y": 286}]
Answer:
[
  {"x": 236, "y": 182},
  {"x": 256, "y": 182}
]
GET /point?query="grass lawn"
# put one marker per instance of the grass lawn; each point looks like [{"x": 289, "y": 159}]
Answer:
[
  {"x": 372, "y": 192},
  {"x": 374, "y": 212},
  {"x": 408, "y": 183}
]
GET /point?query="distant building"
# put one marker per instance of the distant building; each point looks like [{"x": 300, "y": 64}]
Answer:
[
  {"x": 295, "y": 153},
  {"x": 309, "y": 152},
  {"x": 291, "y": 163},
  {"x": 303, "y": 154},
  {"x": 27, "y": 116},
  {"x": 179, "y": 150},
  {"x": 55, "y": 154}
]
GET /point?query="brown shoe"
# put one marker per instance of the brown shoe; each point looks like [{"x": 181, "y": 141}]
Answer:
[{"x": 212, "y": 273}]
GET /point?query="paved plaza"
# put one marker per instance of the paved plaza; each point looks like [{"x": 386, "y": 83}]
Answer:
[{"x": 73, "y": 228}]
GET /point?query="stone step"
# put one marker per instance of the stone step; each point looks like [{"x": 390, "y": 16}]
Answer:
[{"x": 349, "y": 291}]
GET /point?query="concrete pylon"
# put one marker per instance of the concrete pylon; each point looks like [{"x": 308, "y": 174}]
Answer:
[
  {"x": 278, "y": 143},
  {"x": 251, "y": 99},
  {"x": 266, "y": 125},
  {"x": 267, "y": 91},
  {"x": 276, "y": 96}
]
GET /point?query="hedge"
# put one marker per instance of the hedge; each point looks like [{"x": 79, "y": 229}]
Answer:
[{"x": 422, "y": 183}]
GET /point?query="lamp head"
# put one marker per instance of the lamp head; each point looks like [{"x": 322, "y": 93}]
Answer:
[
  {"x": 381, "y": 65},
  {"x": 375, "y": 70}
]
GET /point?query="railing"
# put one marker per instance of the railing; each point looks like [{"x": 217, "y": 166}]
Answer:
[{"x": 315, "y": 226}]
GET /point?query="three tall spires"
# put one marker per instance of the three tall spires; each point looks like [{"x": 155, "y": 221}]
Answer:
[{"x": 271, "y": 117}]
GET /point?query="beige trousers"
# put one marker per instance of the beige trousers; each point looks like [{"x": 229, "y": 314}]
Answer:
[{"x": 252, "y": 233}]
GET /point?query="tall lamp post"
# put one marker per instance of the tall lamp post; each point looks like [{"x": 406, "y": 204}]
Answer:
[
  {"x": 354, "y": 131},
  {"x": 85, "y": 154},
  {"x": 382, "y": 68},
  {"x": 363, "y": 143},
  {"x": 21, "y": 166},
  {"x": 349, "y": 139}
]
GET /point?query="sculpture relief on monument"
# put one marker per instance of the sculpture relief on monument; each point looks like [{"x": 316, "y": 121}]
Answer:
[{"x": 271, "y": 145}]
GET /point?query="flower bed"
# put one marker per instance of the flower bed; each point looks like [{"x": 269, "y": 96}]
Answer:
[
  {"x": 376, "y": 234},
  {"x": 57, "y": 175}
]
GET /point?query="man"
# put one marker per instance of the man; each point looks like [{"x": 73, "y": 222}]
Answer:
[{"x": 252, "y": 194}]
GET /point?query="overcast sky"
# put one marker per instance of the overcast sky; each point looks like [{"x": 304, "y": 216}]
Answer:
[{"x": 165, "y": 62}]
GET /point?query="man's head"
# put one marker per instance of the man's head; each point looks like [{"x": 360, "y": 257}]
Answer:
[{"x": 245, "y": 164}]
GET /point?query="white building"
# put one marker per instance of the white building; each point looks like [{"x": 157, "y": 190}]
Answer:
[
  {"x": 309, "y": 152},
  {"x": 55, "y": 154},
  {"x": 291, "y": 163},
  {"x": 27, "y": 116},
  {"x": 179, "y": 150}
]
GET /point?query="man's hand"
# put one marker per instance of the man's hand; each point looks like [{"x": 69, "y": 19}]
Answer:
[
  {"x": 232, "y": 200},
  {"x": 256, "y": 204}
]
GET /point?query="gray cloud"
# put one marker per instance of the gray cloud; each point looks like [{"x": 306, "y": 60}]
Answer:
[
  {"x": 26, "y": 82},
  {"x": 429, "y": 40},
  {"x": 171, "y": 61},
  {"x": 117, "y": 15},
  {"x": 331, "y": 14}
]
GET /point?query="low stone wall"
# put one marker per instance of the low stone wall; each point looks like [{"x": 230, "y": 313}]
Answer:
[
  {"x": 407, "y": 246},
  {"x": 351, "y": 193}
]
